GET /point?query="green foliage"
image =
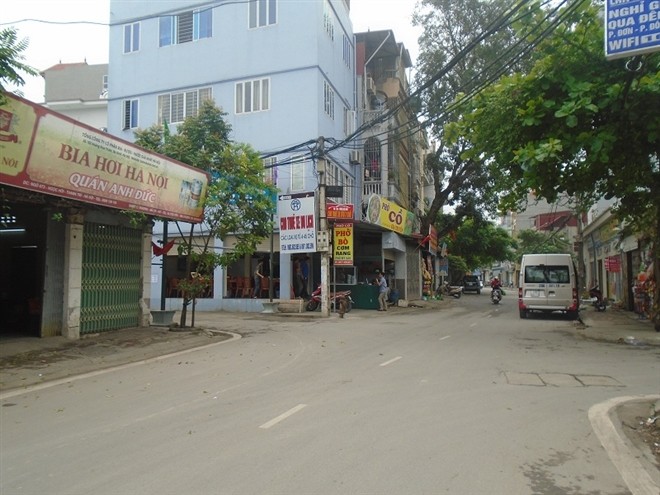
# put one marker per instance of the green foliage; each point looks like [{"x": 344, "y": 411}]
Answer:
[
  {"x": 481, "y": 244},
  {"x": 10, "y": 61},
  {"x": 533, "y": 241}
]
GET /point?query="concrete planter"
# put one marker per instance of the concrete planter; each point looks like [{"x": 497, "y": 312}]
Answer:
[
  {"x": 271, "y": 307},
  {"x": 162, "y": 318}
]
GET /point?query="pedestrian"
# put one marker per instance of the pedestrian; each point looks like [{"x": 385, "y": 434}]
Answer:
[
  {"x": 297, "y": 278},
  {"x": 383, "y": 290},
  {"x": 258, "y": 275},
  {"x": 304, "y": 273}
]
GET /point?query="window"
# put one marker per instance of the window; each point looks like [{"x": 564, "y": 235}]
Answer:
[
  {"x": 132, "y": 37},
  {"x": 347, "y": 50},
  {"x": 104, "y": 88},
  {"x": 349, "y": 122},
  {"x": 297, "y": 173},
  {"x": 372, "y": 171},
  {"x": 253, "y": 96},
  {"x": 328, "y": 25},
  {"x": 185, "y": 27},
  {"x": 262, "y": 13},
  {"x": 328, "y": 100},
  {"x": 270, "y": 170},
  {"x": 130, "y": 114},
  {"x": 176, "y": 107},
  {"x": 540, "y": 274}
]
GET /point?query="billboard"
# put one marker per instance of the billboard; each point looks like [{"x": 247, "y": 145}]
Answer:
[
  {"x": 297, "y": 214},
  {"x": 44, "y": 151},
  {"x": 632, "y": 27},
  {"x": 390, "y": 215}
]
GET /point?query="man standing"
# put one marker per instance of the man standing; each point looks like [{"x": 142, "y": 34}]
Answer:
[
  {"x": 304, "y": 273},
  {"x": 382, "y": 292}
]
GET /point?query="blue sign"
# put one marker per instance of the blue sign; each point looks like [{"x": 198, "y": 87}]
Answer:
[{"x": 632, "y": 27}]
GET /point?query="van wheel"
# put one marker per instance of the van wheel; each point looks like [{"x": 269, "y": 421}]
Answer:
[
  {"x": 573, "y": 315},
  {"x": 523, "y": 314}
]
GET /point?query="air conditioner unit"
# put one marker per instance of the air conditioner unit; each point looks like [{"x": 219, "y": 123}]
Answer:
[
  {"x": 371, "y": 87},
  {"x": 355, "y": 157}
]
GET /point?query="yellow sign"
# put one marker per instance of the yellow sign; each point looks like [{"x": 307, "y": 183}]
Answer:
[
  {"x": 390, "y": 215},
  {"x": 343, "y": 244},
  {"x": 44, "y": 151}
]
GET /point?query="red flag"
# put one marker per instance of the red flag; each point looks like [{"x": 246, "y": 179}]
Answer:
[{"x": 159, "y": 251}]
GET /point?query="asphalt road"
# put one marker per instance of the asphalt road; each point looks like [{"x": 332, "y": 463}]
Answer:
[{"x": 468, "y": 399}]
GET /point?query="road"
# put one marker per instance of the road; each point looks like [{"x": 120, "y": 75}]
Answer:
[{"x": 468, "y": 399}]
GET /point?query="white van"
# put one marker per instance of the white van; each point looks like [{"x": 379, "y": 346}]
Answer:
[{"x": 548, "y": 283}]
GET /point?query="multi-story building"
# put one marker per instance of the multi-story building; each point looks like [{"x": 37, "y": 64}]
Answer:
[
  {"x": 79, "y": 91},
  {"x": 285, "y": 74}
]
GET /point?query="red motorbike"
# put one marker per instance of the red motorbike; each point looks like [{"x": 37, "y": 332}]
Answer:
[{"x": 340, "y": 299}]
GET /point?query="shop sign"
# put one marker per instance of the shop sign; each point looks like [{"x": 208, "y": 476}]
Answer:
[
  {"x": 44, "y": 151},
  {"x": 389, "y": 215},
  {"x": 336, "y": 211},
  {"x": 297, "y": 219},
  {"x": 632, "y": 27},
  {"x": 433, "y": 240},
  {"x": 343, "y": 244},
  {"x": 613, "y": 264}
]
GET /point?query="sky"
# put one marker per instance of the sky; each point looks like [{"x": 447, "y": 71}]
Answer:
[{"x": 50, "y": 44}]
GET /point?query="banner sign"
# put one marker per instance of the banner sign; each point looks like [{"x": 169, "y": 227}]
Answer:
[
  {"x": 433, "y": 240},
  {"x": 43, "y": 151},
  {"x": 613, "y": 264},
  {"x": 343, "y": 244},
  {"x": 336, "y": 211},
  {"x": 389, "y": 215},
  {"x": 632, "y": 27},
  {"x": 297, "y": 222}
]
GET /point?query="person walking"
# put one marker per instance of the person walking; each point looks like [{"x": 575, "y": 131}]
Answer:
[{"x": 383, "y": 289}]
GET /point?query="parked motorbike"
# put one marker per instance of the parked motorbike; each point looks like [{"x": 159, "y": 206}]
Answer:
[
  {"x": 496, "y": 295},
  {"x": 449, "y": 290},
  {"x": 341, "y": 300},
  {"x": 596, "y": 298}
]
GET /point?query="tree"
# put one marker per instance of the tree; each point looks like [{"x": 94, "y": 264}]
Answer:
[
  {"x": 533, "y": 241},
  {"x": 575, "y": 123},
  {"x": 239, "y": 202},
  {"x": 454, "y": 59},
  {"x": 481, "y": 244},
  {"x": 10, "y": 61}
]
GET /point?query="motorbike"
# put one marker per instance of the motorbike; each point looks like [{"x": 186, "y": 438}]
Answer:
[
  {"x": 596, "y": 298},
  {"x": 454, "y": 291},
  {"x": 496, "y": 295},
  {"x": 341, "y": 300}
]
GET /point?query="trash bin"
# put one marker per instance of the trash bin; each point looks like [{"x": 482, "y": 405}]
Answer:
[
  {"x": 394, "y": 297},
  {"x": 364, "y": 296}
]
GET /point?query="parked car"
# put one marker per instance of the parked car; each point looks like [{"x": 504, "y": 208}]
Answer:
[{"x": 471, "y": 284}]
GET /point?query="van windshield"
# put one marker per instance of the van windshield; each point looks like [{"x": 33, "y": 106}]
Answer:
[{"x": 540, "y": 274}]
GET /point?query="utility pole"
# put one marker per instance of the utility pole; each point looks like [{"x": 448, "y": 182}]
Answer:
[{"x": 323, "y": 238}]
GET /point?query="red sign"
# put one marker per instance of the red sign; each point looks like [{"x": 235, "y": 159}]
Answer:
[
  {"x": 613, "y": 264},
  {"x": 336, "y": 211}
]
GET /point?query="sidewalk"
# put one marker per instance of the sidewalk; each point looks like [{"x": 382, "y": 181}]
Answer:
[{"x": 615, "y": 325}]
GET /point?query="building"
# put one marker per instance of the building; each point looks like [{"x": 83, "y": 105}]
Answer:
[
  {"x": 79, "y": 91},
  {"x": 285, "y": 74}
]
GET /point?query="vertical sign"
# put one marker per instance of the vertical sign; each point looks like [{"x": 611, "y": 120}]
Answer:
[
  {"x": 343, "y": 244},
  {"x": 632, "y": 27},
  {"x": 297, "y": 222}
]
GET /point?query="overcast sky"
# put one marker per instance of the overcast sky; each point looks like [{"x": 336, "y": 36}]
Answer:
[{"x": 50, "y": 44}]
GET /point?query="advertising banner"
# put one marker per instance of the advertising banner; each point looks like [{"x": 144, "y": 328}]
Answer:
[
  {"x": 336, "y": 211},
  {"x": 297, "y": 222},
  {"x": 343, "y": 244},
  {"x": 632, "y": 27},
  {"x": 43, "y": 151},
  {"x": 389, "y": 215}
]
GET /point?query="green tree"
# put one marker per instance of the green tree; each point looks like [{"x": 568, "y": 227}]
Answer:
[
  {"x": 239, "y": 202},
  {"x": 11, "y": 65},
  {"x": 575, "y": 123},
  {"x": 532, "y": 241},
  {"x": 453, "y": 60},
  {"x": 481, "y": 244}
]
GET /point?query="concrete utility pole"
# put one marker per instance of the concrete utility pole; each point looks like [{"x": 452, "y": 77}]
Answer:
[{"x": 322, "y": 239}]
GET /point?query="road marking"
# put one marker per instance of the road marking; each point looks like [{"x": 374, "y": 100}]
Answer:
[
  {"x": 283, "y": 416},
  {"x": 473, "y": 325},
  {"x": 445, "y": 337},
  {"x": 390, "y": 361}
]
